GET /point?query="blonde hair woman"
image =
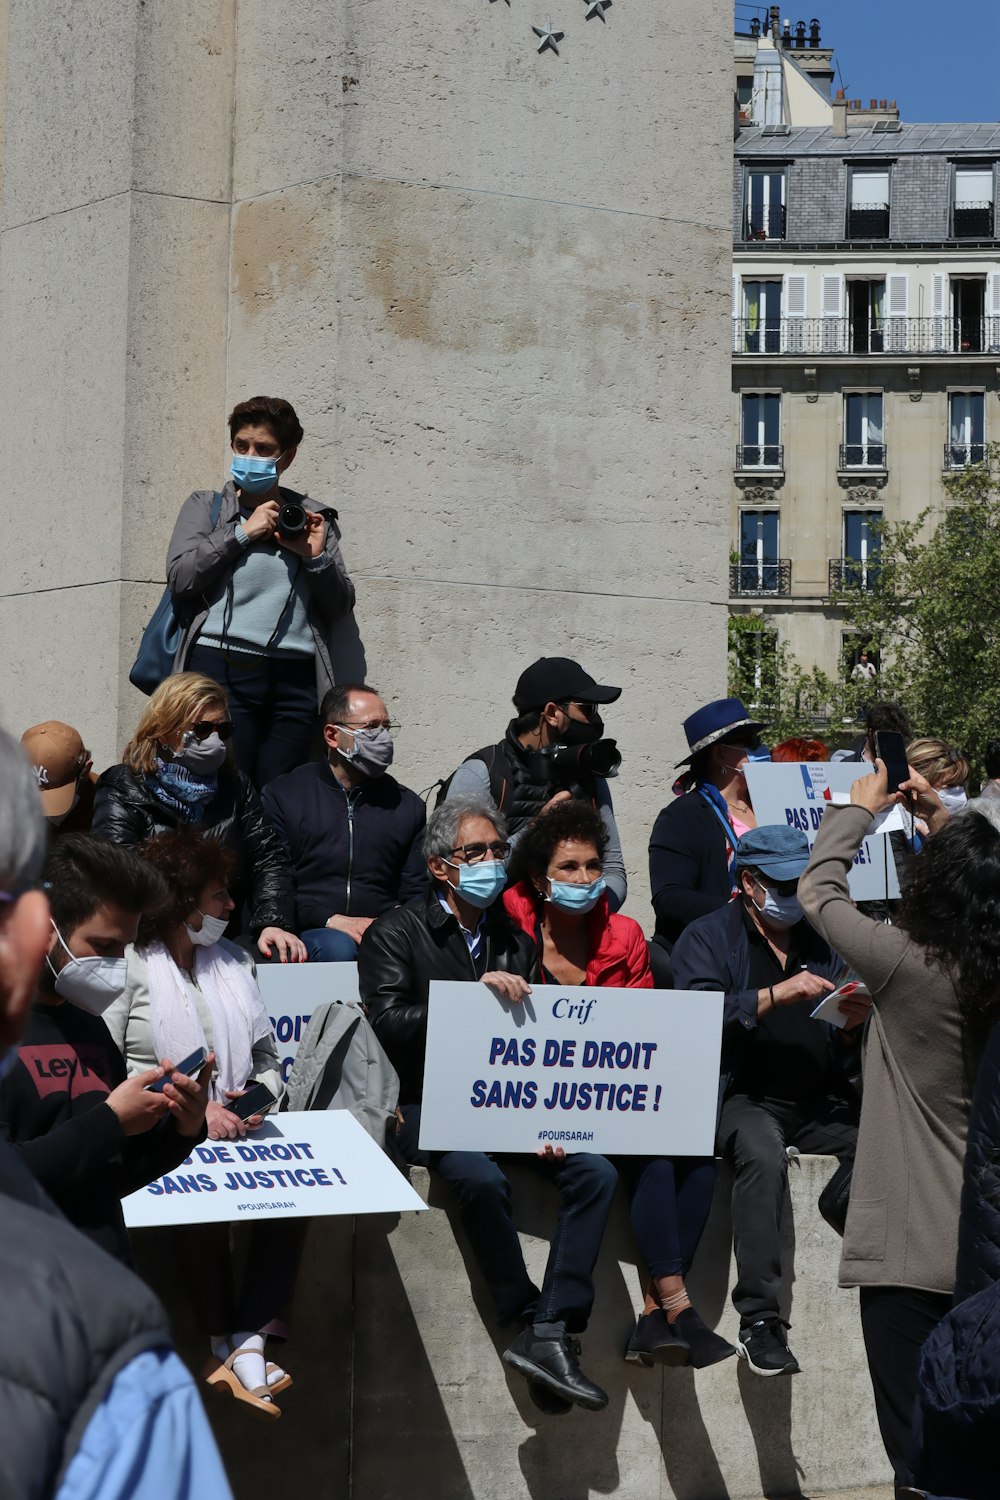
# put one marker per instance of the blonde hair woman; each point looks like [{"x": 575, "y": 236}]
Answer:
[
  {"x": 177, "y": 772},
  {"x": 944, "y": 767}
]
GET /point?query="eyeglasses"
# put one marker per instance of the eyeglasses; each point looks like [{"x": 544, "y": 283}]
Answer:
[
  {"x": 371, "y": 724},
  {"x": 205, "y": 727},
  {"x": 474, "y": 854}
]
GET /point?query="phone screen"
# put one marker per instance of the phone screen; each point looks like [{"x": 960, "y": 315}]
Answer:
[
  {"x": 256, "y": 1101},
  {"x": 890, "y": 748},
  {"x": 192, "y": 1064}
]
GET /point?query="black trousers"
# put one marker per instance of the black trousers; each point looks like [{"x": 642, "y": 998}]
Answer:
[
  {"x": 895, "y": 1321},
  {"x": 586, "y": 1189},
  {"x": 753, "y": 1134}
]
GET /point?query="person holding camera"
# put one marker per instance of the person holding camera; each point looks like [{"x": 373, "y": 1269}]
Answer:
[
  {"x": 261, "y": 568},
  {"x": 554, "y": 750}
]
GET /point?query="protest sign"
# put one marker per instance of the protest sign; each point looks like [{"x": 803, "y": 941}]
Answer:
[
  {"x": 619, "y": 1072},
  {"x": 798, "y": 793},
  {"x": 296, "y": 1165},
  {"x": 291, "y": 993}
]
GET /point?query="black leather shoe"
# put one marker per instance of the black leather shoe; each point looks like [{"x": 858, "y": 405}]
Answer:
[
  {"x": 554, "y": 1363},
  {"x": 707, "y": 1348},
  {"x": 547, "y": 1401},
  {"x": 657, "y": 1341}
]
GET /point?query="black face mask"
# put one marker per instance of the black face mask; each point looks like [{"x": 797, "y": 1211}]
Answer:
[{"x": 578, "y": 733}]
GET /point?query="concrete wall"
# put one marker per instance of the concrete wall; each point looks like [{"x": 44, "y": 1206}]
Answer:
[
  {"x": 400, "y": 1389},
  {"x": 493, "y": 282}
]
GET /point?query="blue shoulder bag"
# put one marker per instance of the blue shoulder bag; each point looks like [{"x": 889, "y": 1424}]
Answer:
[{"x": 161, "y": 638}]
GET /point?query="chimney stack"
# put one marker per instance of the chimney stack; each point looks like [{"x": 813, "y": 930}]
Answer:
[
  {"x": 776, "y": 25},
  {"x": 840, "y": 115}
]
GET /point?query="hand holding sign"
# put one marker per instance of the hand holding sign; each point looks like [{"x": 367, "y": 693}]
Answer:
[{"x": 507, "y": 986}]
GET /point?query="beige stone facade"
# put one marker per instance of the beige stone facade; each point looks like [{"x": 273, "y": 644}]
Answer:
[{"x": 493, "y": 282}]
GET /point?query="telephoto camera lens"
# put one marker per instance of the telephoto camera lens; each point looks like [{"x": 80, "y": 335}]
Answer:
[{"x": 292, "y": 519}]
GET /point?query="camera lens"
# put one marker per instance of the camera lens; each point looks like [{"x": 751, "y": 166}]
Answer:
[{"x": 292, "y": 519}]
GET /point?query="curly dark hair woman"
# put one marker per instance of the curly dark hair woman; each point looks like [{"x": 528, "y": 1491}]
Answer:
[
  {"x": 575, "y": 820},
  {"x": 934, "y": 980},
  {"x": 188, "y": 863}
]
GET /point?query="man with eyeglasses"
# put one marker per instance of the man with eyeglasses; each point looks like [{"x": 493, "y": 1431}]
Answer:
[
  {"x": 558, "y": 708},
  {"x": 459, "y": 930},
  {"x": 352, "y": 832},
  {"x": 784, "y": 1075}
]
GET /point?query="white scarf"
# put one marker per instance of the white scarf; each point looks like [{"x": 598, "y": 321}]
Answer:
[{"x": 239, "y": 1018}]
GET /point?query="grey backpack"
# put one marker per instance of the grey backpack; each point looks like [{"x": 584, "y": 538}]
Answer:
[{"x": 340, "y": 1064}]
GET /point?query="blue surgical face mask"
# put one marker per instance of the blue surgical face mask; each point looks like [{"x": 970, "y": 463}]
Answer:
[
  {"x": 576, "y": 898},
  {"x": 780, "y": 912},
  {"x": 760, "y": 754},
  {"x": 953, "y": 798},
  {"x": 255, "y": 476},
  {"x": 481, "y": 884}
]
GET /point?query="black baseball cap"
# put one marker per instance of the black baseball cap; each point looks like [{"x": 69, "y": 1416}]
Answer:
[{"x": 556, "y": 679}]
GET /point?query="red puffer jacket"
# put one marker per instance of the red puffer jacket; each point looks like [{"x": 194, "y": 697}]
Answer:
[{"x": 619, "y": 957}]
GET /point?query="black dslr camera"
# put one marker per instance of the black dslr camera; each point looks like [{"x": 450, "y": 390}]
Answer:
[
  {"x": 566, "y": 764},
  {"x": 292, "y": 519}
]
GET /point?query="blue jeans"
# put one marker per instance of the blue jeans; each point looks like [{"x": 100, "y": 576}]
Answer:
[
  {"x": 586, "y": 1189},
  {"x": 325, "y": 945},
  {"x": 272, "y": 703}
]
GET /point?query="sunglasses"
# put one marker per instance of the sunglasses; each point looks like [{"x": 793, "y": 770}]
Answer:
[
  {"x": 474, "y": 854},
  {"x": 589, "y": 710},
  {"x": 205, "y": 727}
]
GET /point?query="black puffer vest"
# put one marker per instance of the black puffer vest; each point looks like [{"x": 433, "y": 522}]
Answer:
[
  {"x": 72, "y": 1319},
  {"x": 515, "y": 794}
]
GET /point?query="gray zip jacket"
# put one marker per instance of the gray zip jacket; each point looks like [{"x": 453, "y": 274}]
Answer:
[{"x": 200, "y": 560}]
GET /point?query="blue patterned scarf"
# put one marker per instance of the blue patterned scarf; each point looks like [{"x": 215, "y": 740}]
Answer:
[{"x": 176, "y": 787}]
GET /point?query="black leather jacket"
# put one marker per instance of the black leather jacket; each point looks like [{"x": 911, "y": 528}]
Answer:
[
  {"x": 126, "y": 812},
  {"x": 405, "y": 949}
]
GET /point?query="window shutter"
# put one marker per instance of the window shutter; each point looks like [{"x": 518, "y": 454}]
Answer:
[
  {"x": 869, "y": 189},
  {"x": 973, "y": 186},
  {"x": 833, "y": 336},
  {"x": 897, "y": 287},
  {"x": 937, "y": 310},
  {"x": 993, "y": 312},
  {"x": 737, "y": 310},
  {"x": 794, "y": 304}
]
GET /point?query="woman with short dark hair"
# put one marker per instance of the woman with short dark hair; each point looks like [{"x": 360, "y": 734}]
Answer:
[
  {"x": 259, "y": 569},
  {"x": 557, "y": 896},
  {"x": 934, "y": 979}
]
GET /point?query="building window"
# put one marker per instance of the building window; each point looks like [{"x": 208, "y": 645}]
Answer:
[
  {"x": 757, "y": 666},
  {"x": 852, "y": 649},
  {"x": 866, "y": 316},
  {"x": 868, "y": 214},
  {"x": 759, "y": 570},
  {"x": 972, "y": 215},
  {"x": 764, "y": 215},
  {"x": 968, "y": 313},
  {"x": 864, "y": 437},
  {"x": 862, "y": 548},
  {"x": 761, "y": 317},
  {"x": 760, "y": 432},
  {"x": 966, "y": 429}
]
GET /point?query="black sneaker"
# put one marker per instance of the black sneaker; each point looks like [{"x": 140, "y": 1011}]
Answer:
[
  {"x": 555, "y": 1364},
  {"x": 764, "y": 1347},
  {"x": 655, "y": 1340}
]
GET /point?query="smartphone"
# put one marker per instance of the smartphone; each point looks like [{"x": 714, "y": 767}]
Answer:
[
  {"x": 256, "y": 1101},
  {"x": 890, "y": 747},
  {"x": 190, "y": 1065}
]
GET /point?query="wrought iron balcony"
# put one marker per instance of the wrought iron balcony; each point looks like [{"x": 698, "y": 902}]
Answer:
[
  {"x": 764, "y": 223},
  {"x": 752, "y": 580},
  {"x": 961, "y": 455},
  {"x": 791, "y": 337},
  {"x": 862, "y": 456},
  {"x": 760, "y": 456},
  {"x": 853, "y": 573},
  {"x": 973, "y": 221},
  {"x": 868, "y": 223}
]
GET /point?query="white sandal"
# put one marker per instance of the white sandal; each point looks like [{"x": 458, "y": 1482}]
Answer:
[{"x": 221, "y": 1376}]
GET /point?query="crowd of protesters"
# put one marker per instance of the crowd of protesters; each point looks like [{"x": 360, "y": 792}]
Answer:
[{"x": 253, "y": 818}]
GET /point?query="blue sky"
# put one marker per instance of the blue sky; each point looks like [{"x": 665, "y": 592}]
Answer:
[{"x": 938, "y": 61}]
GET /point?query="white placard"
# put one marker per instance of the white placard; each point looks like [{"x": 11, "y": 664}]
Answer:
[
  {"x": 295, "y": 1166},
  {"x": 619, "y": 1072},
  {"x": 292, "y": 992},
  {"x": 798, "y": 793}
]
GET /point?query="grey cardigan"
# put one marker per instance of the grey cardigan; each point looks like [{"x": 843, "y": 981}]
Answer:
[
  {"x": 902, "y": 1223},
  {"x": 200, "y": 560}
]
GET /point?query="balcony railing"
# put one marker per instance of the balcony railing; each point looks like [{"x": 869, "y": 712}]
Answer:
[
  {"x": 764, "y": 224},
  {"x": 843, "y": 336},
  {"x": 853, "y": 573},
  {"x": 973, "y": 221},
  {"x": 862, "y": 455},
  {"x": 868, "y": 223},
  {"x": 961, "y": 455},
  {"x": 760, "y": 456},
  {"x": 751, "y": 580}
]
